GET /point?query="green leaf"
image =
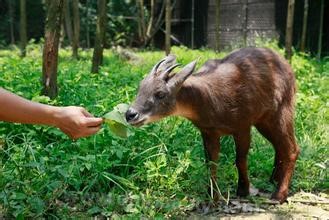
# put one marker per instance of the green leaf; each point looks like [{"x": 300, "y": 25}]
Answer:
[
  {"x": 37, "y": 204},
  {"x": 94, "y": 210},
  {"x": 117, "y": 114},
  {"x": 88, "y": 166},
  {"x": 41, "y": 99},
  {"x": 130, "y": 208},
  {"x": 19, "y": 196},
  {"x": 117, "y": 122}
]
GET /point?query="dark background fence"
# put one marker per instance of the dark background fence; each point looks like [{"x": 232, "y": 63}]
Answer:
[{"x": 241, "y": 22}]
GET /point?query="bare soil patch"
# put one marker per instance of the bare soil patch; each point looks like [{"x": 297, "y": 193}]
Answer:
[{"x": 301, "y": 205}]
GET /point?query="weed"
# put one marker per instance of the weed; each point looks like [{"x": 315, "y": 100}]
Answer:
[{"x": 159, "y": 171}]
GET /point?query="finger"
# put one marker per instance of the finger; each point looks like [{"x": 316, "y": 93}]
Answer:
[
  {"x": 86, "y": 113},
  {"x": 91, "y": 131},
  {"x": 93, "y": 122},
  {"x": 70, "y": 135}
]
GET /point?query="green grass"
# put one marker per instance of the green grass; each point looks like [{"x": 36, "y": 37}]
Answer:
[{"x": 157, "y": 172}]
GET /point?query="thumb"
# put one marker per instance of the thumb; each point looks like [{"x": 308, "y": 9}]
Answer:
[{"x": 93, "y": 122}]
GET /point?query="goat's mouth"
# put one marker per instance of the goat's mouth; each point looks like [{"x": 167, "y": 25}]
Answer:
[
  {"x": 143, "y": 120},
  {"x": 138, "y": 122}
]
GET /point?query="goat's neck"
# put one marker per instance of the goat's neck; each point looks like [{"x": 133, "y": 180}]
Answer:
[{"x": 189, "y": 99}]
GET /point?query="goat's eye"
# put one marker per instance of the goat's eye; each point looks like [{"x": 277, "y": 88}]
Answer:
[{"x": 159, "y": 95}]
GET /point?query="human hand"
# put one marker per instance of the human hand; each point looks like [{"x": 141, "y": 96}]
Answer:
[{"x": 76, "y": 122}]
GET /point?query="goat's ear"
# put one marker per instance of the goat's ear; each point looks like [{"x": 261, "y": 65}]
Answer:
[{"x": 176, "y": 81}]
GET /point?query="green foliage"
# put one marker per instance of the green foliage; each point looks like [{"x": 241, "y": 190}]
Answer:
[
  {"x": 116, "y": 121},
  {"x": 158, "y": 171},
  {"x": 120, "y": 30}
]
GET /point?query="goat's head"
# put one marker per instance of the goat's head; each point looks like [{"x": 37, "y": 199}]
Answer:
[{"x": 156, "y": 97}]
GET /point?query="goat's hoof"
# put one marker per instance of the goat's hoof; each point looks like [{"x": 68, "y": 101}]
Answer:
[
  {"x": 242, "y": 191},
  {"x": 281, "y": 197}
]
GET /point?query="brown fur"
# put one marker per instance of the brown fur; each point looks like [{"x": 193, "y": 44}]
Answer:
[
  {"x": 228, "y": 96},
  {"x": 249, "y": 87}
]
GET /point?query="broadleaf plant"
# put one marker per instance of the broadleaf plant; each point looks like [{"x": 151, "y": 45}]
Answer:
[{"x": 116, "y": 121}]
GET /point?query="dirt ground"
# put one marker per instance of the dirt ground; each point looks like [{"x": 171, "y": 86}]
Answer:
[{"x": 301, "y": 205}]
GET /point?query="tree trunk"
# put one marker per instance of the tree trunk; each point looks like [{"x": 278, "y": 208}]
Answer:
[
  {"x": 192, "y": 23},
  {"x": 150, "y": 24},
  {"x": 76, "y": 28},
  {"x": 245, "y": 23},
  {"x": 168, "y": 26},
  {"x": 87, "y": 24},
  {"x": 141, "y": 5},
  {"x": 157, "y": 24},
  {"x": 289, "y": 28},
  {"x": 320, "y": 30},
  {"x": 50, "y": 50},
  {"x": 67, "y": 20},
  {"x": 11, "y": 5},
  {"x": 62, "y": 34},
  {"x": 302, "y": 46},
  {"x": 46, "y": 4},
  {"x": 23, "y": 35},
  {"x": 217, "y": 25},
  {"x": 100, "y": 36},
  {"x": 141, "y": 21}
]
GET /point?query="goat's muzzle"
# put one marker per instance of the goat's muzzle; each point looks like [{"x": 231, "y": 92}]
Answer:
[{"x": 133, "y": 117}]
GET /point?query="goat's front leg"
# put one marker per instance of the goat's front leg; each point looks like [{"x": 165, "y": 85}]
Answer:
[
  {"x": 212, "y": 147},
  {"x": 242, "y": 144}
]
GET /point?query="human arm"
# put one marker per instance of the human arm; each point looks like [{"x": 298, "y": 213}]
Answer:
[{"x": 74, "y": 121}]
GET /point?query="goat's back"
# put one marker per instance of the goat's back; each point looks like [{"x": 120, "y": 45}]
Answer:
[{"x": 246, "y": 85}]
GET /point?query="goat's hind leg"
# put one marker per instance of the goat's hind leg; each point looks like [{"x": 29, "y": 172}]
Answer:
[
  {"x": 281, "y": 134},
  {"x": 242, "y": 144},
  {"x": 269, "y": 134}
]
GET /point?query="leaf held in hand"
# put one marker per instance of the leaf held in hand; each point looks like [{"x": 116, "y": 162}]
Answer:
[{"x": 117, "y": 122}]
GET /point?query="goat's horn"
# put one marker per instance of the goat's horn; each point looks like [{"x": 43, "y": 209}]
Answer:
[
  {"x": 165, "y": 74},
  {"x": 153, "y": 71},
  {"x": 163, "y": 64},
  {"x": 170, "y": 59}
]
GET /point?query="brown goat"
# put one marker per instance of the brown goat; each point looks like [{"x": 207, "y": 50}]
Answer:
[{"x": 251, "y": 86}]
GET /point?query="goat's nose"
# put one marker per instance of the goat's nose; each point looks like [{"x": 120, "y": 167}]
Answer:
[{"x": 131, "y": 115}]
